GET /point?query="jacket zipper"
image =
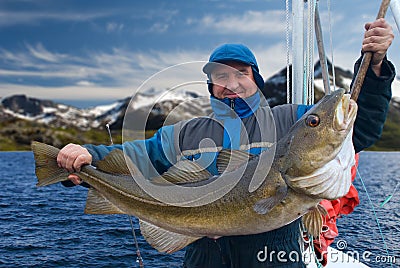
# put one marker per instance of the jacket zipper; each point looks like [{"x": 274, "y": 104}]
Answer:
[
  {"x": 232, "y": 104},
  {"x": 220, "y": 251}
]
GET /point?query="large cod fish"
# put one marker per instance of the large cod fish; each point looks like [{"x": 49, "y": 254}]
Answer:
[{"x": 312, "y": 162}]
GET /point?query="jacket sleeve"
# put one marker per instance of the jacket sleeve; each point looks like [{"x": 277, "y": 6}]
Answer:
[
  {"x": 152, "y": 156},
  {"x": 373, "y": 105}
]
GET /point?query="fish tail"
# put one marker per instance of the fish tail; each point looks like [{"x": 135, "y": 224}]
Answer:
[{"x": 46, "y": 167}]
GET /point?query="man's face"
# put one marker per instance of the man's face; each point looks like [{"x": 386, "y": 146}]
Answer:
[{"x": 233, "y": 80}]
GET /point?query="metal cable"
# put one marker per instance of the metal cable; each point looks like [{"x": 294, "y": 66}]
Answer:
[{"x": 139, "y": 257}]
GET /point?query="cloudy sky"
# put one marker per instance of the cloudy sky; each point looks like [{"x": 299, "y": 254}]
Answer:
[{"x": 87, "y": 52}]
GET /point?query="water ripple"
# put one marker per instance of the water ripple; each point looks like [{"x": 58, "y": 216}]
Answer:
[{"x": 46, "y": 227}]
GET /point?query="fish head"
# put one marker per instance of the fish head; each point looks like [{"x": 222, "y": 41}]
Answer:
[{"x": 317, "y": 137}]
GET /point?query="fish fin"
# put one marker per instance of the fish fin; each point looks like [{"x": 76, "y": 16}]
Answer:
[
  {"x": 184, "y": 171},
  {"x": 163, "y": 240},
  {"x": 313, "y": 220},
  {"x": 229, "y": 160},
  {"x": 265, "y": 205},
  {"x": 114, "y": 162},
  {"x": 46, "y": 167},
  {"x": 96, "y": 203}
]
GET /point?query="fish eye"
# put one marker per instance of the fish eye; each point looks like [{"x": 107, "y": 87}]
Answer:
[{"x": 312, "y": 120}]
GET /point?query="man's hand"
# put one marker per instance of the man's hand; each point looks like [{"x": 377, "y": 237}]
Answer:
[
  {"x": 377, "y": 39},
  {"x": 72, "y": 157}
]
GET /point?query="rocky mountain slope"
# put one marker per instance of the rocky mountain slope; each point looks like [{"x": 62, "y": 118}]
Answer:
[
  {"x": 23, "y": 118},
  {"x": 275, "y": 92}
]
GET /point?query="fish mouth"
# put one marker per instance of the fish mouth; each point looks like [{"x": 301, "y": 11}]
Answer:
[{"x": 345, "y": 113}]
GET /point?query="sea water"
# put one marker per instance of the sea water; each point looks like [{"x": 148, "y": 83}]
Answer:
[{"x": 46, "y": 226}]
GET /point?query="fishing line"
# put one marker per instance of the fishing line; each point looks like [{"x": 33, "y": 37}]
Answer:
[
  {"x": 390, "y": 196},
  {"x": 376, "y": 216},
  {"x": 109, "y": 133},
  {"x": 139, "y": 256}
]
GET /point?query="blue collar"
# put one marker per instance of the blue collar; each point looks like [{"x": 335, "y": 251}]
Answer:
[{"x": 235, "y": 107}]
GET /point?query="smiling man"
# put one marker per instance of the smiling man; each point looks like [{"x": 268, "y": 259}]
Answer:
[{"x": 233, "y": 80}]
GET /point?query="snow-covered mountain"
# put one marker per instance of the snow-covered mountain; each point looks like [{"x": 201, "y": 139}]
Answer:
[
  {"x": 56, "y": 114},
  {"x": 151, "y": 108},
  {"x": 275, "y": 87},
  {"x": 154, "y": 107}
]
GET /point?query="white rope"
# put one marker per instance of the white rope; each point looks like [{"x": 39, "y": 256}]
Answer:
[
  {"x": 310, "y": 49},
  {"x": 288, "y": 90},
  {"x": 395, "y": 8},
  {"x": 331, "y": 45},
  {"x": 298, "y": 53},
  {"x": 307, "y": 60}
]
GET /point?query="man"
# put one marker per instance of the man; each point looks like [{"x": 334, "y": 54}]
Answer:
[{"x": 238, "y": 108}]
